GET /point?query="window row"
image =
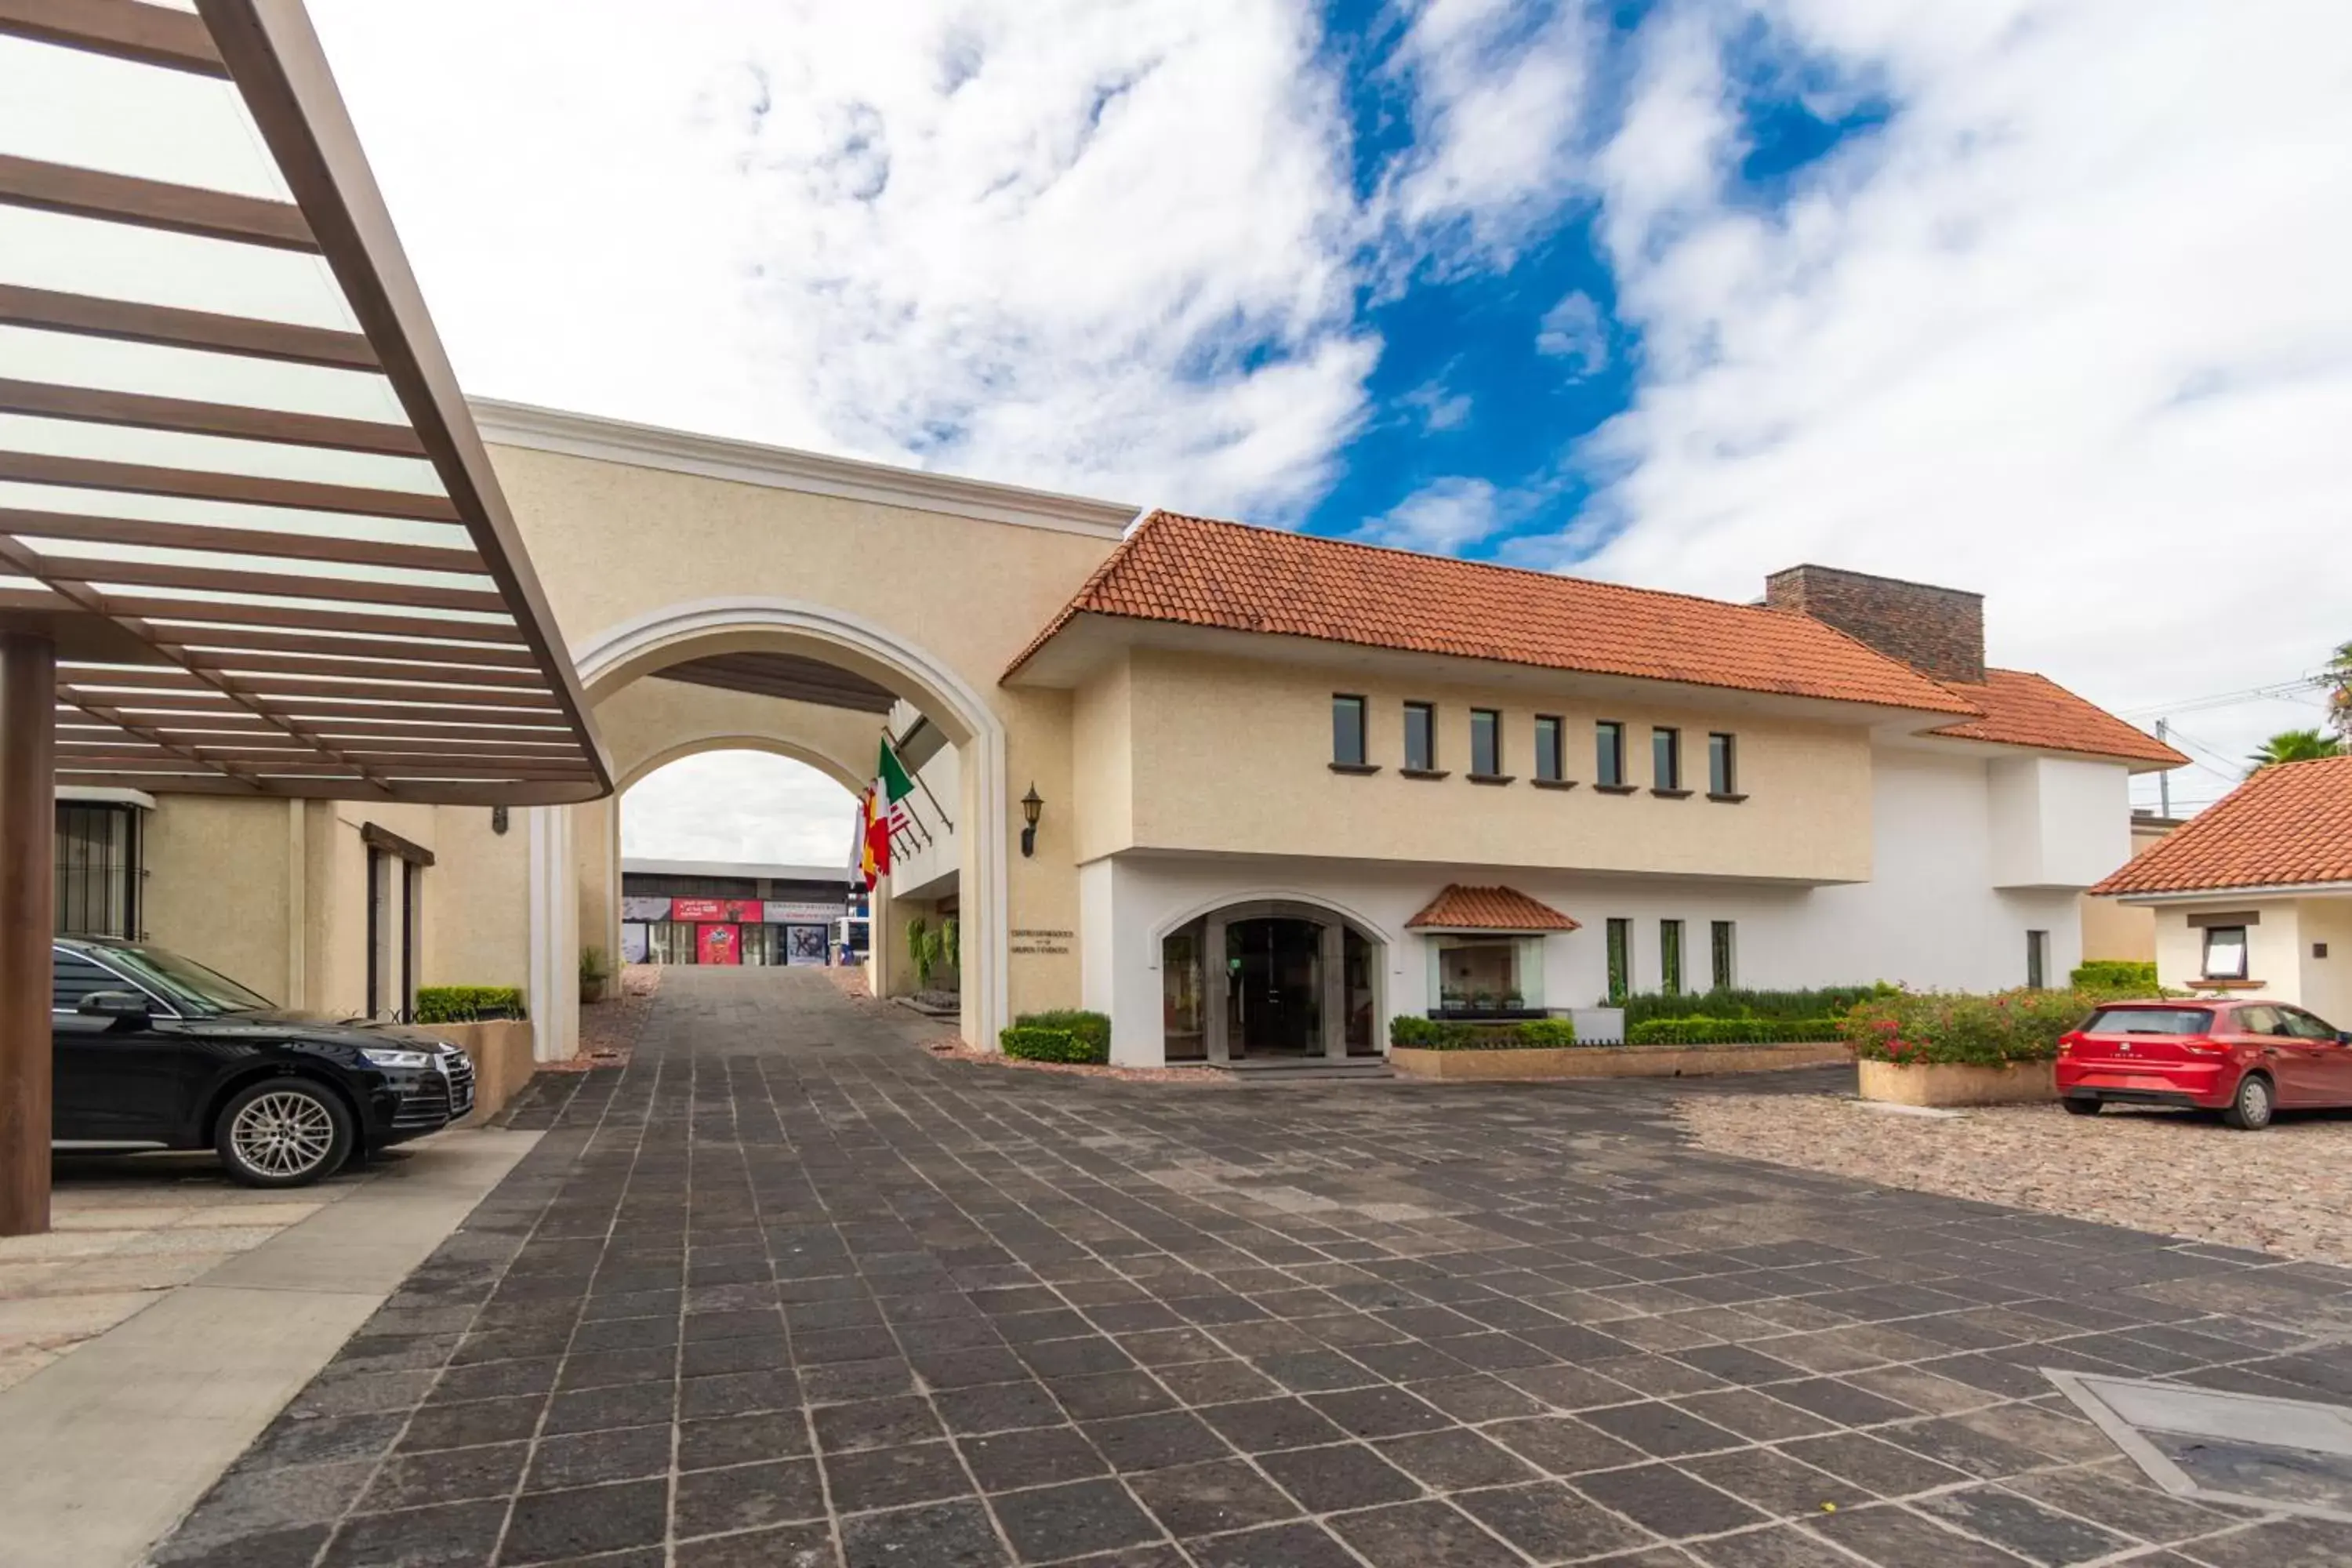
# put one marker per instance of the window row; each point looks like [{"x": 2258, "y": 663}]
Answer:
[
  {"x": 1723, "y": 957},
  {"x": 1350, "y": 747}
]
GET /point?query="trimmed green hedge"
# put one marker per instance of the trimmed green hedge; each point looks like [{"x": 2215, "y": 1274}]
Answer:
[
  {"x": 1419, "y": 1034},
  {"x": 467, "y": 1004},
  {"x": 1731, "y": 1031},
  {"x": 1092, "y": 1029},
  {"x": 1952, "y": 1027},
  {"x": 1034, "y": 1043},
  {"x": 1826, "y": 1002},
  {"x": 2115, "y": 974}
]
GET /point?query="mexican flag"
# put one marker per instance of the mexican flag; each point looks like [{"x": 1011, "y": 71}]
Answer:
[{"x": 874, "y": 835}]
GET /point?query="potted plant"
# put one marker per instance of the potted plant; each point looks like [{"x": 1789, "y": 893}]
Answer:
[{"x": 594, "y": 971}]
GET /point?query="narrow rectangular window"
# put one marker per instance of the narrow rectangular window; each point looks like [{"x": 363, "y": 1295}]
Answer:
[
  {"x": 1621, "y": 960},
  {"x": 1665, "y": 758},
  {"x": 1486, "y": 741},
  {"x": 1548, "y": 756},
  {"x": 1670, "y": 957},
  {"x": 2037, "y": 959},
  {"x": 1420, "y": 738},
  {"x": 1725, "y": 941},
  {"x": 2225, "y": 953},
  {"x": 1348, "y": 731},
  {"x": 1722, "y": 765},
  {"x": 1609, "y": 752}
]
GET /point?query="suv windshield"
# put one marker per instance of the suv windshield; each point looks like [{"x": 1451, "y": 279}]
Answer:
[
  {"x": 188, "y": 985},
  {"x": 2150, "y": 1021}
]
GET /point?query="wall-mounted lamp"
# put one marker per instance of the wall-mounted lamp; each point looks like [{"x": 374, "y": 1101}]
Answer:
[
  {"x": 1029, "y": 808},
  {"x": 497, "y": 819}
]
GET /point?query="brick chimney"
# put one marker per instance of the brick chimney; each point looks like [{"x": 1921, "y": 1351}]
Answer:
[{"x": 1938, "y": 632}]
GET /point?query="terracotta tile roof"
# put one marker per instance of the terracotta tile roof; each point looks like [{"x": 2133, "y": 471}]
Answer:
[
  {"x": 2287, "y": 825},
  {"x": 1234, "y": 577},
  {"x": 2020, "y": 709},
  {"x": 1489, "y": 908}
]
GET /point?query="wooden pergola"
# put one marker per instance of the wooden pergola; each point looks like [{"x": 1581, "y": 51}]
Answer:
[{"x": 250, "y": 542}]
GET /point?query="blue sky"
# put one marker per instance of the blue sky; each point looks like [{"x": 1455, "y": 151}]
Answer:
[{"x": 2039, "y": 297}]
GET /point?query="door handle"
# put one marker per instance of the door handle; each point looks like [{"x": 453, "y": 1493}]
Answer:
[{"x": 2269, "y": 1050}]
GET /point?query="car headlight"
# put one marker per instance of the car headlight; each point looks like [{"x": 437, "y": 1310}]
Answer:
[{"x": 388, "y": 1056}]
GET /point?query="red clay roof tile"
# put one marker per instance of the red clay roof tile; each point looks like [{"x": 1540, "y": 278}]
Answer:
[
  {"x": 2020, "y": 709},
  {"x": 1235, "y": 578},
  {"x": 2288, "y": 824},
  {"x": 1461, "y": 908}
]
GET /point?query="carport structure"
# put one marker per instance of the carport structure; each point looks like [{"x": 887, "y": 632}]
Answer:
[{"x": 250, "y": 542}]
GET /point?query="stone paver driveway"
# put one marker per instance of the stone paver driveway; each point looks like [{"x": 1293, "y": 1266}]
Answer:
[{"x": 789, "y": 1291}]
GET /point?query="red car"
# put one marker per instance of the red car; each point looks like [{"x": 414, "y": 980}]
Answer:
[{"x": 2244, "y": 1059}]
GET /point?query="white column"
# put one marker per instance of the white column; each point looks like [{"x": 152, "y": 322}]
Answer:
[{"x": 555, "y": 982}]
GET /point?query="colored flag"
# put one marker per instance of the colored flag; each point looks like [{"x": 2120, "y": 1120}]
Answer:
[
  {"x": 878, "y": 835},
  {"x": 893, "y": 778}
]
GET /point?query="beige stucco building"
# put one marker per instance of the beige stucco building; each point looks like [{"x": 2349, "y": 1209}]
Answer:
[{"x": 1260, "y": 761}]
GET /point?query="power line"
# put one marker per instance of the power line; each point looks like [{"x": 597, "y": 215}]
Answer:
[{"x": 2275, "y": 691}]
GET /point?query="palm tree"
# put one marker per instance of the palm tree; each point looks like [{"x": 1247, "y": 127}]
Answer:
[
  {"x": 2338, "y": 677},
  {"x": 2295, "y": 746}
]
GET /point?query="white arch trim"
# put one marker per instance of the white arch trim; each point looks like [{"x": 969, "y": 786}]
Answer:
[
  {"x": 1364, "y": 924},
  {"x": 921, "y": 676},
  {"x": 839, "y": 772}
]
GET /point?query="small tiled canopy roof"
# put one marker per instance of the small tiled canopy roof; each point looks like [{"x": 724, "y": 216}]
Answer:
[
  {"x": 2288, "y": 825},
  {"x": 2021, "y": 709},
  {"x": 1235, "y": 578},
  {"x": 1461, "y": 908}
]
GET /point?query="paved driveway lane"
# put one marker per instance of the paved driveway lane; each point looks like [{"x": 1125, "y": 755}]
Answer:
[{"x": 789, "y": 1290}]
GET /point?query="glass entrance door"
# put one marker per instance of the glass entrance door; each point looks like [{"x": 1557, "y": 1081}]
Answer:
[{"x": 1274, "y": 998}]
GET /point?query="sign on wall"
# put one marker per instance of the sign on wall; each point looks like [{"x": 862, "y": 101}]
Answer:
[
  {"x": 642, "y": 909},
  {"x": 804, "y": 944},
  {"x": 718, "y": 944},
  {"x": 800, "y": 912},
  {"x": 715, "y": 910},
  {"x": 634, "y": 942}
]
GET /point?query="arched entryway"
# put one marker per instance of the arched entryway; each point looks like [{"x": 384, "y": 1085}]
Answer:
[
  {"x": 1270, "y": 978},
  {"x": 809, "y": 636}
]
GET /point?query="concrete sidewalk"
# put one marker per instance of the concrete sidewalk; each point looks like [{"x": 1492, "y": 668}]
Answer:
[{"x": 103, "y": 1450}]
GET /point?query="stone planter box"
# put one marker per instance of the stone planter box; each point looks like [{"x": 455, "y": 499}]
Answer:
[
  {"x": 1612, "y": 1061},
  {"x": 1949, "y": 1083},
  {"x": 502, "y": 1060}
]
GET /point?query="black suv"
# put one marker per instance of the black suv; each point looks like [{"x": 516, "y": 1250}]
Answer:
[{"x": 155, "y": 1051}]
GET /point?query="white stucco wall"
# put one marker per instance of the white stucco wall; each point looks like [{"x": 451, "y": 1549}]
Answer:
[
  {"x": 2057, "y": 822},
  {"x": 2278, "y": 948},
  {"x": 2327, "y": 982}
]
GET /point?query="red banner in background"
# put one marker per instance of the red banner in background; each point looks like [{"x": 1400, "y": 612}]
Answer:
[
  {"x": 719, "y": 945},
  {"x": 715, "y": 910}
]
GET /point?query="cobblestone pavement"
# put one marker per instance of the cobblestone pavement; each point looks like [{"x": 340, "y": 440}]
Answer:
[
  {"x": 788, "y": 1291},
  {"x": 2287, "y": 1190}
]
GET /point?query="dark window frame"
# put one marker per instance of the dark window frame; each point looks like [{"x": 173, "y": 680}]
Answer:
[
  {"x": 1723, "y": 954},
  {"x": 1426, "y": 712},
  {"x": 1550, "y": 759},
  {"x": 1670, "y": 957},
  {"x": 1723, "y": 765},
  {"x": 2245, "y": 954},
  {"x": 1341, "y": 702},
  {"x": 2037, "y": 959},
  {"x": 1666, "y": 760},
  {"x": 1608, "y": 754},
  {"x": 1489, "y": 766},
  {"x": 1620, "y": 959}
]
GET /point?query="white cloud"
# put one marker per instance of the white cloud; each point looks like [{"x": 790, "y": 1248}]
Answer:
[
  {"x": 1443, "y": 516},
  {"x": 1571, "y": 331},
  {"x": 743, "y": 806},
  {"x": 2072, "y": 331},
  {"x": 1436, "y": 408},
  {"x": 1099, "y": 247}
]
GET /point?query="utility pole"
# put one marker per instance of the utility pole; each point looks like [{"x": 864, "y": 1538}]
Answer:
[{"x": 2164, "y": 779}]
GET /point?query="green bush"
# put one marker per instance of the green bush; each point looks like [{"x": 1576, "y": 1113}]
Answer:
[
  {"x": 1416, "y": 1032},
  {"x": 1092, "y": 1029},
  {"x": 1034, "y": 1043},
  {"x": 2117, "y": 975},
  {"x": 467, "y": 1004},
  {"x": 1827, "y": 1002},
  {"x": 1731, "y": 1031},
  {"x": 1953, "y": 1027}
]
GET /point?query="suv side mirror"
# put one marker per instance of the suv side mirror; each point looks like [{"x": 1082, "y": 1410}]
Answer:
[{"x": 113, "y": 1004}]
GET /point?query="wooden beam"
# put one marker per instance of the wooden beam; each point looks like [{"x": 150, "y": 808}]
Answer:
[
  {"x": 28, "y": 899},
  {"x": 204, "y": 484},
  {"x": 83, "y": 527},
  {"x": 555, "y": 747},
  {"x": 239, "y": 580},
  {"x": 151, "y": 35},
  {"x": 297, "y": 706},
  {"x": 168, "y": 326},
  {"x": 255, "y": 669},
  {"x": 307, "y": 694},
  {"x": 152, "y": 204},
  {"x": 223, "y": 646},
  {"x": 347, "y": 734},
  {"x": 144, "y": 412},
  {"x": 391, "y": 843},
  {"x": 210, "y": 613}
]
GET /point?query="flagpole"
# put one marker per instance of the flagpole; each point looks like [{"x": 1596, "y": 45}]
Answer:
[{"x": 918, "y": 777}]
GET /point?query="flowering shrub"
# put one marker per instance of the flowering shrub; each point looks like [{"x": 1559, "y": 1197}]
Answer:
[{"x": 1946, "y": 1027}]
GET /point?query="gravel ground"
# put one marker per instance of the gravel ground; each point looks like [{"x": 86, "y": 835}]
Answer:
[
  {"x": 608, "y": 1029},
  {"x": 2287, "y": 1190}
]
